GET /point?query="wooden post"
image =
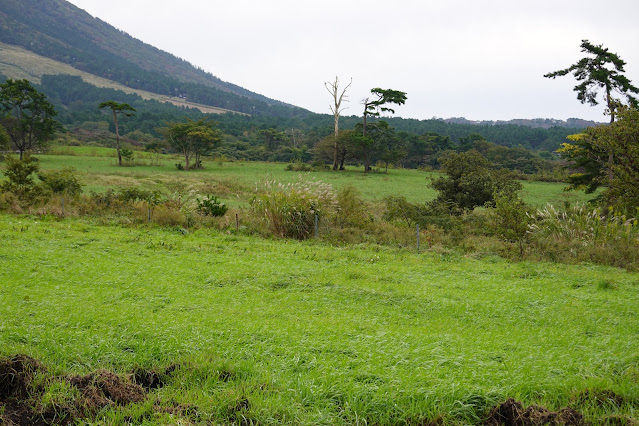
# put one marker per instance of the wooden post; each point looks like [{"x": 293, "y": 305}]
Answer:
[
  {"x": 417, "y": 234},
  {"x": 316, "y": 230},
  {"x": 237, "y": 222},
  {"x": 62, "y": 201}
]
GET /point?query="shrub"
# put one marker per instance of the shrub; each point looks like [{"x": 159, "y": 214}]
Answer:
[
  {"x": 20, "y": 173},
  {"x": 132, "y": 195},
  {"x": 352, "y": 210},
  {"x": 470, "y": 181},
  {"x": 127, "y": 156},
  {"x": 289, "y": 209},
  {"x": 510, "y": 219},
  {"x": 63, "y": 181},
  {"x": 211, "y": 206}
]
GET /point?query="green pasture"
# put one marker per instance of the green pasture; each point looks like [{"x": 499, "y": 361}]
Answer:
[
  {"x": 273, "y": 331},
  {"x": 236, "y": 181}
]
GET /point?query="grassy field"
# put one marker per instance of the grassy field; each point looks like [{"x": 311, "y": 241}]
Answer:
[
  {"x": 238, "y": 329},
  {"x": 236, "y": 181},
  {"x": 263, "y": 331}
]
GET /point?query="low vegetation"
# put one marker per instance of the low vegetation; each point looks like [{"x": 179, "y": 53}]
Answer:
[{"x": 220, "y": 327}]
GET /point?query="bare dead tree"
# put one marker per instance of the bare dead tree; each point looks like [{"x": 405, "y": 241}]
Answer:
[{"x": 336, "y": 109}]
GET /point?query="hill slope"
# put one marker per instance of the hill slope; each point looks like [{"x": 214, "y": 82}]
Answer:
[
  {"x": 19, "y": 63},
  {"x": 58, "y": 30}
]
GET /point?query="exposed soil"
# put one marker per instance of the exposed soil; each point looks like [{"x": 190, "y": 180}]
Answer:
[
  {"x": 16, "y": 376},
  {"x": 513, "y": 413},
  {"x": 104, "y": 388},
  {"x": 20, "y": 398},
  {"x": 16, "y": 387}
]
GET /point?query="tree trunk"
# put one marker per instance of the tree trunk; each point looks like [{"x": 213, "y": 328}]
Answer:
[
  {"x": 117, "y": 137},
  {"x": 335, "y": 156}
]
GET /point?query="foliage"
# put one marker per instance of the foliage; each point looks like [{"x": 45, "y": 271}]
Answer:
[
  {"x": 352, "y": 210},
  {"x": 26, "y": 115},
  {"x": 193, "y": 139},
  {"x": 607, "y": 156},
  {"x": 127, "y": 156},
  {"x": 373, "y": 108},
  {"x": 470, "y": 181},
  {"x": 344, "y": 143},
  {"x": 5, "y": 140},
  {"x": 289, "y": 210},
  {"x": 133, "y": 194},
  {"x": 587, "y": 234},
  {"x": 62, "y": 181},
  {"x": 20, "y": 172},
  {"x": 604, "y": 70},
  {"x": 118, "y": 109},
  {"x": 211, "y": 206},
  {"x": 511, "y": 218}
]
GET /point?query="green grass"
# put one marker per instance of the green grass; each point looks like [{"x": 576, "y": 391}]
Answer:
[
  {"x": 236, "y": 181},
  {"x": 275, "y": 331}
]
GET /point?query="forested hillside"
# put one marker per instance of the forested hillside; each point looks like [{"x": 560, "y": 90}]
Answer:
[{"x": 61, "y": 31}]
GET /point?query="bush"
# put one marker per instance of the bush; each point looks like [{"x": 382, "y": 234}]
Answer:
[
  {"x": 470, "y": 181},
  {"x": 510, "y": 219},
  {"x": 211, "y": 206},
  {"x": 289, "y": 209},
  {"x": 352, "y": 210},
  {"x": 132, "y": 195},
  {"x": 20, "y": 174},
  {"x": 127, "y": 156},
  {"x": 63, "y": 181}
]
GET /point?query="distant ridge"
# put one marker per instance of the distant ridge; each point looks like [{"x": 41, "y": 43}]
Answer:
[{"x": 543, "y": 123}]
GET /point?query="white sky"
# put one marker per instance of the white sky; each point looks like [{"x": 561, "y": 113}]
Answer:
[{"x": 479, "y": 59}]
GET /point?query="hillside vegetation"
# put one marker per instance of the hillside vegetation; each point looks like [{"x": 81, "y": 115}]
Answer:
[{"x": 60, "y": 31}]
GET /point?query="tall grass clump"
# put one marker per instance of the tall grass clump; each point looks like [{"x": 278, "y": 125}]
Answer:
[
  {"x": 289, "y": 210},
  {"x": 587, "y": 234}
]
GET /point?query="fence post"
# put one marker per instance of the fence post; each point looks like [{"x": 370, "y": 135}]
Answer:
[
  {"x": 316, "y": 230},
  {"x": 417, "y": 234},
  {"x": 149, "y": 207},
  {"x": 62, "y": 201},
  {"x": 237, "y": 222}
]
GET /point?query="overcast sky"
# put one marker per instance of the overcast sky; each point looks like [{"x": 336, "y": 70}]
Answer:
[{"x": 479, "y": 59}]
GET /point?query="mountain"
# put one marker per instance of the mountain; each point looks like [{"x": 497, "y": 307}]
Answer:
[{"x": 58, "y": 30}]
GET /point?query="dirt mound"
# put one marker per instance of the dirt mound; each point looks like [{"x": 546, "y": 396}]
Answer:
[
  {"x": 513, "y": 413},
  {"x": 16, "y": 376},
  {"x": 104, "y": 388},
  {"x": 16, "y": 388}
]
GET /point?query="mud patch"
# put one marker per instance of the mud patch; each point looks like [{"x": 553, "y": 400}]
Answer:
[
  {"x": 104, "y": 388},
  {"x": 513, "y": 413}
]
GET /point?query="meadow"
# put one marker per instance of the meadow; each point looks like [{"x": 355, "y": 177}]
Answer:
[
  {"x": 236, "y": 181},
  {"x": 267, "y": 331},
  {"x": 240, "y": 329}
]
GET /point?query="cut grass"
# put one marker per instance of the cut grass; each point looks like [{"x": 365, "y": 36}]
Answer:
[{"x": 301, "y": 332}]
